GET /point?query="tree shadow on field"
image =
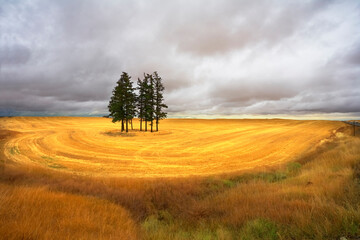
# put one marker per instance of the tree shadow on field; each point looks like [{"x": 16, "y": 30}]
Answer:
[
  {"x": 133, "y": 133},
  {"x": 118, "y": 133}
]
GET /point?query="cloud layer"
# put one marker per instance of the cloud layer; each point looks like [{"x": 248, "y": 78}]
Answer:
[{"x": 218, "y": 58}]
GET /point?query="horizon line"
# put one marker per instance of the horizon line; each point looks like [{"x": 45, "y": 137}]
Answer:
[{"x": 233, "y": 117}]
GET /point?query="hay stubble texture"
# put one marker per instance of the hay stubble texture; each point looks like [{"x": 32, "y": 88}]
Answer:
[{"x": 95, "y": 146}]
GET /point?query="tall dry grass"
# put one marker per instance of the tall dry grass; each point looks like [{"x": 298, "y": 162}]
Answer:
[
  {"x": 316, "y": 197},
  {"x": 38, "y": 213}
]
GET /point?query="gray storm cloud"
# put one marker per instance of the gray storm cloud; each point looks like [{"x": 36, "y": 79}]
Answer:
[{"x": 216, "y": 57}]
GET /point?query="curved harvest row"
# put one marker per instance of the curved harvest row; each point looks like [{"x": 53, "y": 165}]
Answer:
[{"x": 95, "y": 146}]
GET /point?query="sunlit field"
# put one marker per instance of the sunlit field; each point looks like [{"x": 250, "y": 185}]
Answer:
[
  {"x": 96, "y": 146},
  {"x": 82, "y": 178}
]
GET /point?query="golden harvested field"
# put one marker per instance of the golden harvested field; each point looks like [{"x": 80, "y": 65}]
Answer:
[
  {"x": 95, "y": 146},
  {"x": 81, "y": 178}
]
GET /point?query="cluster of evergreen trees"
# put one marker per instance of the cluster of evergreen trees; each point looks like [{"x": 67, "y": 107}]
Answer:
[{"x": 148, "y": 105}]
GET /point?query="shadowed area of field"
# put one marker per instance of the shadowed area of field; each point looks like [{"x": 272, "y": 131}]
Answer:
[{"x": 95, "y": 146}]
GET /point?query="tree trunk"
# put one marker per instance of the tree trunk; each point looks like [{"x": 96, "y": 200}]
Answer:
[
  {"x": 145, "y": 126},
  {"x": 157, "y": 124},
  {"x": 132, "y": 128},
  {"x": 122, "y": 125},
  {"x": 354, "y": 131},
  {"x": 140, "y": 124},
  {"x": 127, "y": 127},
  {"x": 151, "y": 124}
]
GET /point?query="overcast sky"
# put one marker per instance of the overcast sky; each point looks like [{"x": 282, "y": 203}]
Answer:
[{"x": 230, "y": 58}]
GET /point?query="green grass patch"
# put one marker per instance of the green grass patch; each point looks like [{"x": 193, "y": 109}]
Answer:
[
  {"x": 213, "y": 185},
  {"x": 271, "y": 176},
  {"x": 259, "y": 229},
  {"x": 47, "y": 158},
  {"x": 293, "y": 168},
  {"x": 14, "y": 150},
  {"x": 228, "y": 183},
  {"x": 337, "y": 168},
  {"x": 55, "y": 165},
  {"x": 162, "y": 225},
  {"x": 51, "y": 162},
  {"x": 351, "y": 227}
]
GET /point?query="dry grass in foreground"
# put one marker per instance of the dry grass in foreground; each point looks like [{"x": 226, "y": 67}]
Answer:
[
  {"x": 37, "y": 213},
  {"x": 315, "y": 196}
]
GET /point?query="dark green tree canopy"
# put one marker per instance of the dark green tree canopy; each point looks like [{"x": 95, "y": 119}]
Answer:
[
  {"x": 148, "y": 105},
  {"x": 122, "y": 105},
  {"x": 149, "y": 98},
  {"x": 159, "y": 98},
  {"x": 116, "y": 105}
]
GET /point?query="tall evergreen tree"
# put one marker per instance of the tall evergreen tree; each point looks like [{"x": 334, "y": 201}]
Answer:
[
  {"x": 141, "y": 100},
  {"x": 149, "y": 104},
  {"x": 152, "y": 102},
  {"x": 116, "y": 105},
  {"x": 145, "y": 86},
  {"x": 159, "y": 99},
  {"x": 149, "y": 107},
  {"x": 122, "y": 105},
  {"x": 130, "y": 101}
]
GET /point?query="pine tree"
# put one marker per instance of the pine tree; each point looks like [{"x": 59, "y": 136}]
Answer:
[
  {"x": 152, "y": 102},
  {"x": 146, "y": 101},
  {"x": 122, "y": 105},
  {"x": 149, "y": 109},
  {"x": 141, "y": 100},
  {"x": 148, "y": 105},
  {"x": 116, "y": 104},
  {"x": 159, "y": 100},
  {"x": 130, "y": 101}
]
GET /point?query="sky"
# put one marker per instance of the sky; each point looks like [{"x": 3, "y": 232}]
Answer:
[{"x": 218, "y": 59}]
